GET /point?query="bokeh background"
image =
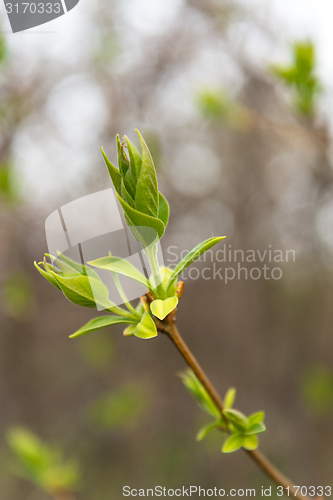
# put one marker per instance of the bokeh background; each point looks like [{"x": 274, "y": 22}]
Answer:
[{"x": 234, "y": 100}]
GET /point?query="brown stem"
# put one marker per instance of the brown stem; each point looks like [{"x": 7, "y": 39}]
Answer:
[
  {"x": 266, "y": 466},
  {"x": 63, "y": 495}
]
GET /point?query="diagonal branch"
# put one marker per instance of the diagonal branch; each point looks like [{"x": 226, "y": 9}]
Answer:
[{"x": 170, "y": 329}]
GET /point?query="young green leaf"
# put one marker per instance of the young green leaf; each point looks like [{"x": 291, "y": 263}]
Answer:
[
  {"x": 78, "y": 289},
  {"x": 204, "y": 431},
  {"x": 129, "y": 331},
  {"x": 72, "y": 263},
  {"x": 161, "y": 308},
  {"x": 98, "y": 323},
  {"x": 135, "y": 158},
  {"x": 123, "y": 162},
  {"x": 250, "y": 442},
  {"x": 256, "y": 418},
  {"x": 146, "y": 329},
  {"x": 139, "y": 219},
  {"x": 125, "y": 194},
  {"x": 47, "y": 275},
  {"x": 229, "y": 398},
  {"x": 193, "y": 255},
  {"x": 120, "y": 266},
  {"x": 133, "y": 172},
  {"x": 233, "y": 443},
  {"x": 255, "y": 429},
  {"x": 163, "y": 209},
  {"x": 114, "y": 173},
  {"x": 197, "y": 390},
  {"x": 146, "y": 197},
  {"x": 236, "y": 418},
  {"x": 42, "y": 464}
]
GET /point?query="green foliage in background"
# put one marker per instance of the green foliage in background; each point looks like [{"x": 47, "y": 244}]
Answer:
[
  {"x": 8, "y": 184},
  {"x": 119, "y": 410},
  {"x": 18, "y": 297},
  {"x": 98, "y": 351},
  {"x": 3, "y": 49},
  {"x": 42, "y": 464},
  {"x": 301, "y": 77},
  {"x": 316, "y": 386},
  {"x": 215, "y": 104},
  {"x": 243, "y": 431}
]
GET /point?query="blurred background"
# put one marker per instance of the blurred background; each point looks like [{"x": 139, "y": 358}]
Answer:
[{"x": 234, "y": 100}]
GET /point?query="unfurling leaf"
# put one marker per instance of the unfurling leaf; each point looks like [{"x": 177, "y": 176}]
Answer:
[
  {"x": 136, "y": 186},
  {"x": 161, "y": 308},
  {"x": 193, "y": 255},
  {"x": 250, "y": 442},
  {"x": 47, "y": 275},
  {"x": 163, "y": 210},
  {"x": 146, "y": 197},
  {"x": 229, "y": 398},
  {"x": 146, "y": 329},
  {"x": 204, "y": 431},
  {"x": 79, "y": 290},
  {"x": 197, "y": 390},
  {"x": 41, "y": 464},
  {"x": 255, "y": 429},
  {"x": 98, "y": 323},
  {"x": 256, "y": 418},
  {"x": 233, "y": 443},
  {"x": 120, "y": 266},
  {"x": 238, "y": 419},
  {"x": 129, "y": 331}
]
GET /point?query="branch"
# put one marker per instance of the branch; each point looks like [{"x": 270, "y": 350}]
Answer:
[
  {"x": 63, "y": 495},
  {"x": 259, "y": 458}
]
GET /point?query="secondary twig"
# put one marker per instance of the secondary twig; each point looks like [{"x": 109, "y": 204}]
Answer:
[{"x": 170, "y": 329}]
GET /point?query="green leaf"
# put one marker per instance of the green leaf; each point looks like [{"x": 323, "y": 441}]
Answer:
[
  {"x": 161, "y": 308},
  {"x": 40, "y": 463},
  {"x": 123, "y": 162},
  {"x": 139, "y": 308},
  {"x": 99, "y": 322},
  {"x": 229, "y": 398},
  {"x": 233, "y": 443},
  {"x": 47, "y": 275},
  {"x": 146, "y": 197},
  {"x": 114, "y": 173},
  {"x": 163, "y": 209},
  {"x": 135, "y": 158},
  {"x": 64, "y": 267},
  {"x": 121, "y": 266},
  {"x": 250, "y": 442},
  {"x": 33, "y": 454},
  {"x": 146, "y": 329},
  {"x": 119, "y": 410},
  {"x": 126, "y": 195},
  {"x": 255, "y": 429},
  {"x": 197, "y": 390},
  {"x": 129, "y": 331},
  {"x": 204, "y": 431},
  {"x": 238, "y": 419},
  {"x": 130, "y": 182},
  {"x": 133, "y": 172},
  {"x": 256, "y": 418},
  {"x": 194, "y": 255},
  {"x": 78, "y": 289},
  {"x": 139, "y": 219},
  {"x": 69, "y": 266}
]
